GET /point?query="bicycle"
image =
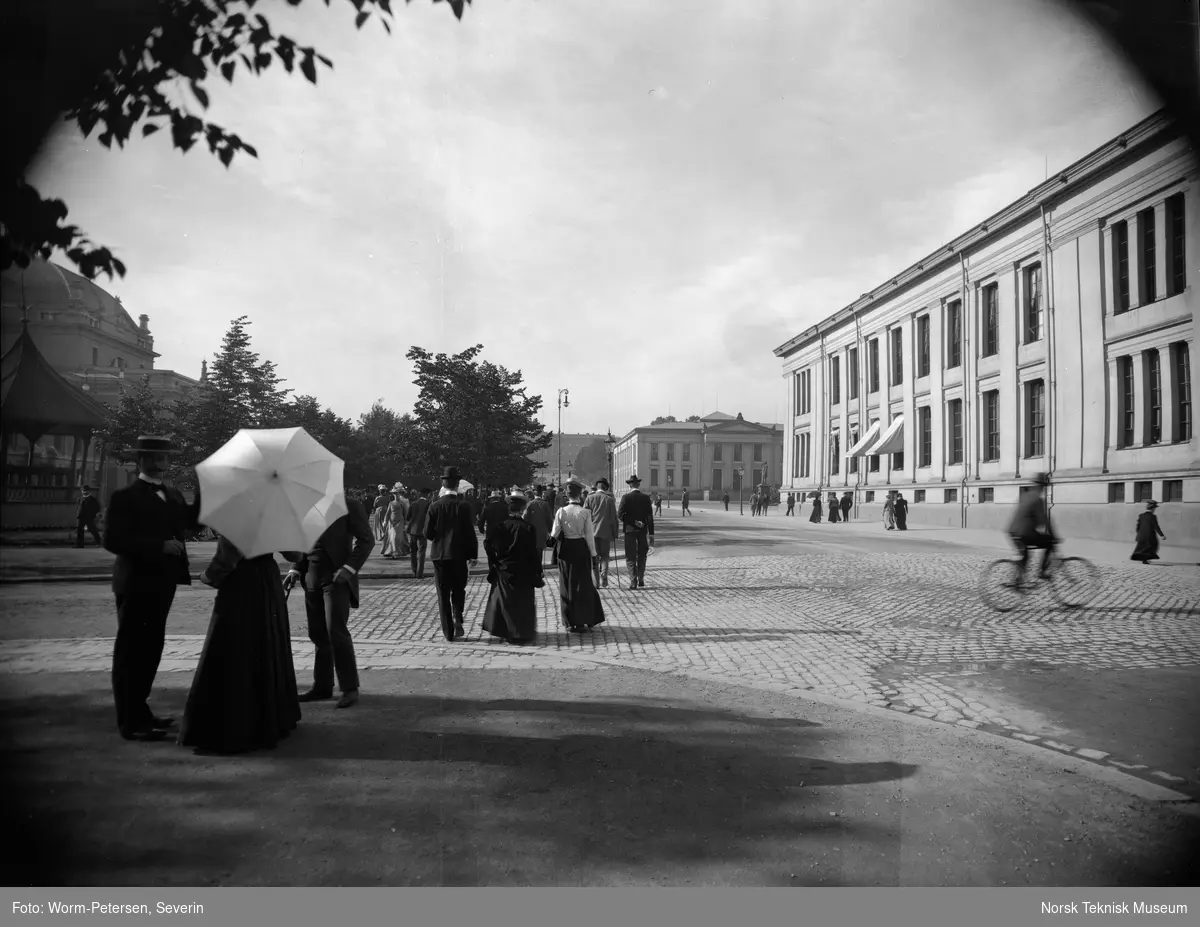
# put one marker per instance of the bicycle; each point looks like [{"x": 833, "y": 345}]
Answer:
[{"x": 1073, "y": 581}]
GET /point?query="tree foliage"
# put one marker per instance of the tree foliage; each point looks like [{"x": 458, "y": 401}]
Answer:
[
  {"x": 139, "y": 411},
  {"x": 591, "y": 462},
  {"x": 124, "y": 79},
  {"x": 664, "y": 419},
  {"x": 476, "y": 416},
  {"x": 692, "y": 418}
]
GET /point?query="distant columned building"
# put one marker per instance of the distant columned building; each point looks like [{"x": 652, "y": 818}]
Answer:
[
  {"x": 1057, "y": 336},
  {"x": 718, "y": 454}
]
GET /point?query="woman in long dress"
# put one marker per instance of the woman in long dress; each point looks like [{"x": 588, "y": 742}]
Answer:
[
  {"x": 900, "y": 509},
  {"x": 815, "y": 517},
  {"x": 512, "y": 605},
  {"x": 889, "y": 511},
  {"x": 243, "y": 695},
  {"x": 574, "y": 541},
  {"x": 1148, "y": 533},
  {"x": 834, "y": 509}
]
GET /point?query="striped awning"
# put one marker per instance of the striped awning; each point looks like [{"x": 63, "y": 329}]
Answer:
[
  {"x": 892, "y": 440},
  {"x": 863, "y": 443}
]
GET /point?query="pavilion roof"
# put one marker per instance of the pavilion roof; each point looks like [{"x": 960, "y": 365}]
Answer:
[{"x": 35, "y": 399}]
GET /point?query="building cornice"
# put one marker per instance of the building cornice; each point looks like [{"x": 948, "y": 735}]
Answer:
[{"x": 1158, "y": 128}]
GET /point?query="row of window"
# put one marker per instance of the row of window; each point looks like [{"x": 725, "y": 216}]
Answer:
[
  {"x": 1143, "y": 491},
  {"x": 1032, "y": 308},
  {"x": 1152, "y": 395},
  {"x": 1034, "y": 418},
  {"x": 1144, "y": 258},
  {"x": 718, "y": 451},
  {"x": 684, "y": 480}
]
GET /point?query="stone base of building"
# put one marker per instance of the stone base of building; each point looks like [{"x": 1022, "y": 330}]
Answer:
[
  {"x": 25, "y": 516},
  {"x": 1180, "y": 521}
]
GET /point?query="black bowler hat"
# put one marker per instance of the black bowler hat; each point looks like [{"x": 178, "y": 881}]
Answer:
[
  {"x": 154, "y": 444},
  {"x": 451, "y": 473},
  {"x": 634, "y": 480}
]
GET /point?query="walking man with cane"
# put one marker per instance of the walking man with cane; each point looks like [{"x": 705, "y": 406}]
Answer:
[
  {"x": 636, "y": 515},
  {"x": 604, "y": 519}
]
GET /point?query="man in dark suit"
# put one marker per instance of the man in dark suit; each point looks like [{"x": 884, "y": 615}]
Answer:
[
  {"x": 636, "y": 514},
  {"x": 416, "y": 532},
  {"x": 329, "y": 575},
  {"x": 85, "y": 516},
  {"x": 146, "y": 525},
  {"x": 454, "y": 548}
]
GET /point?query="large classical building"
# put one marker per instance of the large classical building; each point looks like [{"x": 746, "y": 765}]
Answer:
[
  {"x": 1055, "y": 337},
  {"x": 720, "y": 453},
  {"x": 92, "y": 343}
]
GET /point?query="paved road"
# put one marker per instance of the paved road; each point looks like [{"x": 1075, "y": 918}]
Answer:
[{"x": 847, "y": 612}]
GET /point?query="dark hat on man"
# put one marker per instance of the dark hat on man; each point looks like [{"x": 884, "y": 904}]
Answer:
[
  {"x": 154, "y": 444},
  {"x": 634, "y": 480},
  {"x": 1151, "y": 504},
  {"x": 451, "y": 473},
  {"x": 425, "y": 489},
  {"x": 603, "y": 482},
  {"x": 574, "y": 486},
  {"x": 89, "y": 488}
]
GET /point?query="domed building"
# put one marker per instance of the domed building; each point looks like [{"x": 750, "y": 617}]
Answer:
[{"x": 85, "y": 336}]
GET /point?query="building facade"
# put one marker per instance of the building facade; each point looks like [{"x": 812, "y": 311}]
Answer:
[
  {"x": 1055, "y": 337},
  {"x": 720, "y": 453},
  {"x": 87, "y": 337}
]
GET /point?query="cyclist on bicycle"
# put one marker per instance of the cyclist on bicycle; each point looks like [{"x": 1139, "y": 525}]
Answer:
[{"x": 1030, "y": 528}]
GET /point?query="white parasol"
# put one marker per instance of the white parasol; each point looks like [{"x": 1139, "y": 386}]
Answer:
[{"x": 271, "y": 489}]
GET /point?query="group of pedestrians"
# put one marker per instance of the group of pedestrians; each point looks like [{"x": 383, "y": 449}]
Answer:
[{"x": 838, "y": 509}]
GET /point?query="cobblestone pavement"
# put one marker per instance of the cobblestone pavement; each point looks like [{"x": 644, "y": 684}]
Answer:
[{"x": 896, "y": 638}]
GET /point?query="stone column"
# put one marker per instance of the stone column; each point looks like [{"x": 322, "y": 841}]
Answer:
[
  {"x": 1135, "y": 263},
  {"x": 1141, "y": 400}
]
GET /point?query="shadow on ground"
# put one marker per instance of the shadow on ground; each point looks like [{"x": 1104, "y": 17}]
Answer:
[{"x": 418, "y": 789}]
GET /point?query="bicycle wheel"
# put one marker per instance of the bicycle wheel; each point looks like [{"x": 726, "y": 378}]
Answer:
[
  {"x": 1000, "y": 585},
  {"x": 1074, "y": 582}
]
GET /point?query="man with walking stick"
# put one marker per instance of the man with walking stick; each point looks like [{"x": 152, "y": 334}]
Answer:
[
  {"x": 636, "y": 515},
  {"x": 604, "y": 519}
]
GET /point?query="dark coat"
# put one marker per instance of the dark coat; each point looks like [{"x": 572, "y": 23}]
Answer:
[
  {"x": 138, "y": 525},
  {"x": 416, "y": 517},
  {"x": 450, "y": 528},
  {"x": 347, "y": 542},
  {"x": 494, "y": 514},
  {"x": 88, "y": 509},
  {"x": 636, "y": 506}
]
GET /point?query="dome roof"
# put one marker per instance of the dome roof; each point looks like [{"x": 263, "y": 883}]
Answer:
[{"x": 51, "y": 288}]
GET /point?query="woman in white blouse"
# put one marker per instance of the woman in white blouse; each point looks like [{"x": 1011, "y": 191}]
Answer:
[{"x": 574, "y": 539}]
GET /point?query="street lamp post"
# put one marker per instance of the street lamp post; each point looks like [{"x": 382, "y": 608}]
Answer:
[
  {"x": 741, "y": 486},
  {"x": 564, "y": 399},
  {"x": 609, "y": 444},
  {"x": 670, "y": 481}
]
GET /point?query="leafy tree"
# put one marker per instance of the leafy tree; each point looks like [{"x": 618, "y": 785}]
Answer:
[
  {"x": 591, "y": 462},
  {"x": 139, "y": 411},
  {"x": 663, "y": 419},
  {"x": 692, "y": 418},
  {"x": 242, "y": 391},
  {"x": 112, "y": 68},
  {"x": 476, "y": 416}
]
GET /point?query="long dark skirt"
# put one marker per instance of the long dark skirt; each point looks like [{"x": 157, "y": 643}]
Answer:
[
  {"x": 1146, "y": 548},
  {"x": 511, "y": 612},
  {"x": 581, "y": 605},
  {"x": 815, "y": 517},
  {"x": 243, "y": 695},
  {"x": 835, "y": 514},
  {"x": 901, "y": 513}
]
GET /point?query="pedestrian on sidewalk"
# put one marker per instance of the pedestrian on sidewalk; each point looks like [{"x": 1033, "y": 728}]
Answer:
[
  {"x": 329, "y": 576},
  {"x": 791, "y": 504},
  {"x": 395, "y": 524},
  {"x": 725, "y": 499},
  {"x": 379, "y": 515},
  {"x": 540, "y": 514},
  {"x": 454, "y": 546},
  {"x": 834, "y": 509},
  {"x": 516, "y": 572},
  {"x": 635, "y": 513},
  {"x": 685, "y": 503},
  {"x": 145, "y": 528},
  {"x": 1148, "y": 533},
  {"x": 243, "y": 694},
  {"x": 603, "y": 508},
  {"x": 889, "y": 511},
  {"x": 658, "y": 503},
  {"x": 86, "y": 514},
  {"x": 847, "y": 504},
  {"x": 575, "y": 537},
  {"x": 416, "y": 532},
  {"x": 815, "y": 517},
  {"x": 901, "y": 511}
]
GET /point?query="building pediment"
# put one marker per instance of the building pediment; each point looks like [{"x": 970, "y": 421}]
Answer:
[{"x": 730, "y": 429}]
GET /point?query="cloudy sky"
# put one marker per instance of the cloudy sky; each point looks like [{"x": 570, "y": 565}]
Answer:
[{"x": 634, "y": 201}]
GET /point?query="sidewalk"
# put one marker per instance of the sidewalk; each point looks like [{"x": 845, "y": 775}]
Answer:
[
  {"x": 1104, "y": 552},
  {"x": 563, "y": 777},
  {"x": 94, "y": 564}
]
